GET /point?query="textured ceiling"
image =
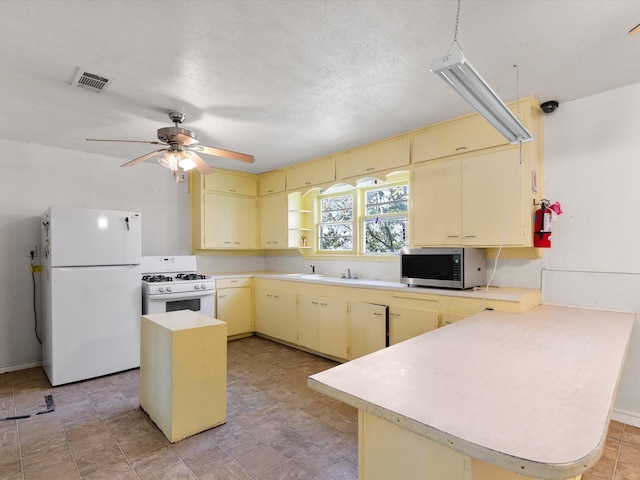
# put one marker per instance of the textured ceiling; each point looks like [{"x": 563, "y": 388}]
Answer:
[{"x": 288, "y": 81}]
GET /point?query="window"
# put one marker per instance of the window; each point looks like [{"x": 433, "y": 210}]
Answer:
[
  {"x": 335, "y": 231},
  {"x": 370, "y": 219},
  {"x": 384, "y": 222}
]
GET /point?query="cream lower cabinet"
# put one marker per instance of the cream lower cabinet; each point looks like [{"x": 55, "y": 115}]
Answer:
[
  {"x": 274, "y": 233},
  {"x": 406, "y": 323},
  {"x": 367, "y": 328},
  {"x": 228, "y": 222},
  {"x": 234, "y": 305},
  {"x": 480, "y": 200},
  {"x": 322, "y": 325},
  {"x": 276, "y": 314}
]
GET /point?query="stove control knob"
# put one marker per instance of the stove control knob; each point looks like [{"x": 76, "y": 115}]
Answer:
[
  {"x": 203, "y": 286},
  {"x": 197, "y": 287},
  {"x": 161, "y": 289},
  {"x": 169, "y": 288}
]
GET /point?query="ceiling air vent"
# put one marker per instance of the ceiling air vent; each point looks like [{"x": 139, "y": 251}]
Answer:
[{"x": 91, "y": 81}]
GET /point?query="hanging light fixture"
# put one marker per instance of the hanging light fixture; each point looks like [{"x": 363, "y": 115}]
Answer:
[
  {"x": 177, "y": 157},
  {"x": 456, "y": 70}
]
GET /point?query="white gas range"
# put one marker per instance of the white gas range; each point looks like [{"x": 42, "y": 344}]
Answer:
[{"x": 171, "y": 283}]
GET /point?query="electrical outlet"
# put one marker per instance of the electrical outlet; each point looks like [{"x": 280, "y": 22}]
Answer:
[{"x": 32, "y": 251}]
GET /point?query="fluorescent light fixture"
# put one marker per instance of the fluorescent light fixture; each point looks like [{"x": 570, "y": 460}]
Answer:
[{"x": 463, "y": 78}]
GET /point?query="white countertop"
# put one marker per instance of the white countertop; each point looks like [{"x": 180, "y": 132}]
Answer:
[
  {"x": 494, "y": 293},
  {"x": 529, "y": 392}
]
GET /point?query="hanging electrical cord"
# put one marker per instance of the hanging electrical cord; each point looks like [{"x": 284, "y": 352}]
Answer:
[
  {"x": 35, "y": 310},
  {"x": 514, "y": 183}
]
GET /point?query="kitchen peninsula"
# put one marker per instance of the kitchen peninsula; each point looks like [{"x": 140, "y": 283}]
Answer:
[{"x": 488, "y": 396}]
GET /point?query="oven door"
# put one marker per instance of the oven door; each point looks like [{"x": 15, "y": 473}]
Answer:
[{"x": 201, "y": 302}]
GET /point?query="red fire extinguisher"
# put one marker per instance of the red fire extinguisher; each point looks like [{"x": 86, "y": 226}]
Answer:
[{"x": 542, "y": 223}]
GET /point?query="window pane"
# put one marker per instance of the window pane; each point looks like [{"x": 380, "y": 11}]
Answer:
[
  {"x": 335, "y": 231},
  {"x": 385, "y": 235},
  {"x": 387, "y": 200},
  {"x": 338, "y": 236}
]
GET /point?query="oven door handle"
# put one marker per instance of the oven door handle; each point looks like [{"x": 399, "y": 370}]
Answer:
[{"x": 173, "y": 296}]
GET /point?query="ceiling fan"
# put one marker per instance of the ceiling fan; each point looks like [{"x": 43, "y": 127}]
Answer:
[{"x": 182, "y": 148}]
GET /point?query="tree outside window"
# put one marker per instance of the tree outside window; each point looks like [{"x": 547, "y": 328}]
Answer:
[
  {"x": 384, "y": 222},
  {"x": 335, "y": 231}
]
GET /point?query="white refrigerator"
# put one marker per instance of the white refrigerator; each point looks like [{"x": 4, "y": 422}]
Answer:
[{"x": 91, "y": 299}]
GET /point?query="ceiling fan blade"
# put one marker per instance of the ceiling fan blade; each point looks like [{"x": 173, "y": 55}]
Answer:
[
  {"x": 218, "y": 152},
  {"x": 201, "y": 165},
  {"x": 144, "y": 157},
  {"x": 126, "y": 141}
]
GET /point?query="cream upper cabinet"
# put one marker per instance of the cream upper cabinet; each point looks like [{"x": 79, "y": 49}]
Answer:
[
  {"x": 471, "y": 133},
  {"x": 234, "y": 305},
  {"x": 307, "y": 174},
  {"x": 223, "y": 220},
  {"x": 272, "y": 182},
  {"x": 453, "y": 137},
  {"x": 374, "y": 158},
  {"x": 229, "y": 222},
  {"x": 494, "y": 209},
  {"x": 436, "y": 200},
  {"x": 274, "y": 232},
  {"x": 235, "y": 183},
  {"x": 480, "y": 200},
  {"x": 367, "y": 328},
  {"x": 406, "y": 323}
]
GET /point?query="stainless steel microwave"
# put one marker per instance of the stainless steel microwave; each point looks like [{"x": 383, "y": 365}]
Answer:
[{"x": 459, "y": 268}]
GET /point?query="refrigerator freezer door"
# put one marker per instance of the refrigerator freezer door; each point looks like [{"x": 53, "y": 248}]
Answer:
[
  {"x": 92, "y": 237},
  {"x": 92, "y": 323}
]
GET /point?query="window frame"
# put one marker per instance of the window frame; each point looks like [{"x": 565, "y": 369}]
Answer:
[
  {"x": 354, "y": 226},
  {"x": 358, "y": 195},
  {"x": 363, "y": 216}
]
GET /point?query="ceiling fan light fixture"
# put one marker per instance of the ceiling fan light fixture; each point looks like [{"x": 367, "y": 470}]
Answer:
[
  {"x": 458, "y": 73},
  {"x": 169, "y": 160},
  {"x": 185, "y": 162}
]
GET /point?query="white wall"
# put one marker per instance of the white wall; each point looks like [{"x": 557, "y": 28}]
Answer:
[
  {"x": 592, "y": 166},
  {"x": 34, "y": 177}
]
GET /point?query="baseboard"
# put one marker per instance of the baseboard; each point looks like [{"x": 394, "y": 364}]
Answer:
[
  {"x": 15, "y": 368},
  {"x": 626, "y": 417}
]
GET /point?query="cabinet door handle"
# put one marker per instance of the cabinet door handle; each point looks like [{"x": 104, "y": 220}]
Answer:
[
  {"x": 307, "y": 183},
  {"x": 314, "y": 303},
  {"x": 394, "y": 314},
  {"x": 276, "y": 296},
  {"x": 453, "y": 236},
  {"x": 459, "y": 149},
  {"x": 470, "y": 236},
  {"x": 232, "y": 190},
  {"x": 222, "y": 296},
  {"x": 370, "y": 169},
  {"x": 378, "y": 314},
  {"x": 323, "y": 304},
  {"x": 227, "y": 243},
  {"x": 270, "y": 191}
]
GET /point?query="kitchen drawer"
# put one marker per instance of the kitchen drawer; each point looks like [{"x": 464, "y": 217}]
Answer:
[{"x": 234, "y": 282}]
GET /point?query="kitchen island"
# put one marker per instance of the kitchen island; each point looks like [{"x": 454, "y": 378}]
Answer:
[{"x": 497, "y": 396}]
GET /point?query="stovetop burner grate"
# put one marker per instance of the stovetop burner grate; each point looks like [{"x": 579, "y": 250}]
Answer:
[
  {"x": 156, "y": 278},
  {"x": 190, "y": 276}
]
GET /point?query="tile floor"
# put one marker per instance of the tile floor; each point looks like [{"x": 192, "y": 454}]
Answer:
[{"x": 277, "y": 428}]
